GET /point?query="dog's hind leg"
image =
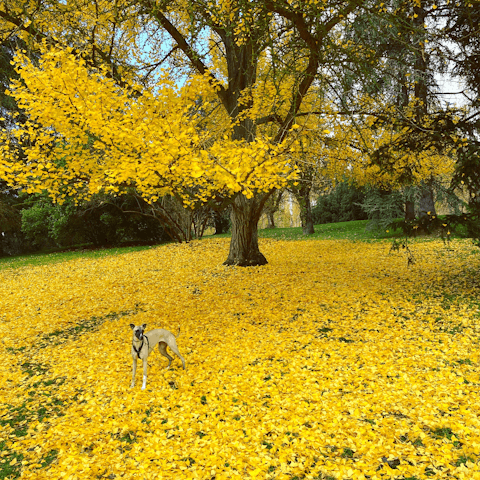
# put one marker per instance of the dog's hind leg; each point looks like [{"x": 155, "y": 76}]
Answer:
[
  {"x": 174, "y": 349},
  {"x": 162, "y": 347}
]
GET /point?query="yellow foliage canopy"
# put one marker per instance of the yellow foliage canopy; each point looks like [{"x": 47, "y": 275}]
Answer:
[
  {"x": 355, "y": 140},
  {"x": 86, "y": 135}
]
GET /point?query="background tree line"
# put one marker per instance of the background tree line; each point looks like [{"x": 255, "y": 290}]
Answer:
[{"x": 358, "y": 101}]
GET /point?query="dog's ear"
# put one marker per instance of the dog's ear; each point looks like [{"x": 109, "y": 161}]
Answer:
[
  {"x": 132, "y": 326},
  {"x": 144, "y": 326}
]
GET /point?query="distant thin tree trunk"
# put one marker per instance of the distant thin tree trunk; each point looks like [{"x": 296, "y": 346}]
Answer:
[
  {"x": 271, "y": 220},
  {"x": 271, "y": 207},
  {"x": 220, "y": 222},
  {"x": 306, "y": 218},
  {"x": 302, "y": 195},
  {"x": 475, "y": 199},
  {"x": 426, "y": 202},
  {"x": 409, "y": 210}
]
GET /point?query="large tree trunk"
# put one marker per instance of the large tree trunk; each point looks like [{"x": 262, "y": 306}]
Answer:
[
  {"x": 426, "y": 202},
  {"x": 245, "y": 215},
  {"x": 242, "y": 65}
]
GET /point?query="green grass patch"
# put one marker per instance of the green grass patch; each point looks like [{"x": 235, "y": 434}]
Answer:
[
  {"x": 9, "y": 463},
  {"x": 49, "y": 458},
  {"x": 353, "y": 231},
  {"x": 16, "y": 419},
  {"x": 46, "y": 258},
  {"x": 446, "y": 432}
]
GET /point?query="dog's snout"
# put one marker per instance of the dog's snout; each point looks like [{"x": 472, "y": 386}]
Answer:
[{"x": 138, "y": 334}]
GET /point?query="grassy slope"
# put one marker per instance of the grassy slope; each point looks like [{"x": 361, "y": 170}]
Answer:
[
  {"x": 42, "y": 258},
  {"x": 353, "y": 231}
]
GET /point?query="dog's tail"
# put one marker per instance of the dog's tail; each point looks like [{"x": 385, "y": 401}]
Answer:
[{"x": 178, "y": 334}]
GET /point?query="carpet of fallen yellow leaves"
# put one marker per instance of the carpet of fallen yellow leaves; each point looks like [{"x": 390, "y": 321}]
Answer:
[{"x": 335, "y": 360}]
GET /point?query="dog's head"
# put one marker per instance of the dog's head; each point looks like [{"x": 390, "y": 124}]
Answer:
[{"x": 138, "y": 331}]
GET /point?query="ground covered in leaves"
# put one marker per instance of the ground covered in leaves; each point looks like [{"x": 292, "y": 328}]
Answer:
[{"x": 334, "y": 361}]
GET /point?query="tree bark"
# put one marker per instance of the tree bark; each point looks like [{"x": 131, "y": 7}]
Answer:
[
  {"x": 307, "y": 221},
  {"x": 271, "y": 220},
  {"x": 409, "y": 210},
  {"x": 302, "y": 195},
  {"x": 426, "y": 202},
  {"x": 272, "y": 206},
  {"x": 421, "y": 88},
  {"x": 306, "y": 216},
  {"x": 244, "y": 251}
]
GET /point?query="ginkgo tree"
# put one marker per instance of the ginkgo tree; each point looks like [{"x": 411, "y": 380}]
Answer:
[
  {"x": 107, "y": 45},
  {"x": 98, "y": 137}
]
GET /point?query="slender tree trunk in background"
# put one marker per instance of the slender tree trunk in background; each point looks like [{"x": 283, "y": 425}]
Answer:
[
  {"x": 220, "y": 223},
  {"x": 272, "y": 206},
  {"x": 302, "y": 195},
  {"x": 271, "y": 220},
  {"x": 474, "y": 204},
  {"x": 426, "y": 202},
  {"x": 475, "y": 200},
  {"x": 409, "y": 210}
]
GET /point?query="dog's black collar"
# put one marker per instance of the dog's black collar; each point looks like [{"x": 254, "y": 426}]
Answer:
[{"x": 139, "y": 349}]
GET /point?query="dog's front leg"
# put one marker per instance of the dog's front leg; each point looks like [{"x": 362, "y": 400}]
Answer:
[
  {"x": 134, "y": 370},
  {"x": 144, "y": 374}
]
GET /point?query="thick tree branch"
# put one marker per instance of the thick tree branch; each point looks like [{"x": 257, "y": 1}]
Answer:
[
  {"x": 273, "y": 117},
  {"x": 308, "y": 77},
  {"x": 192, "y": 55},
  {"x": 313, "y": 43},
  {"x": 297, "y": 19}
]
